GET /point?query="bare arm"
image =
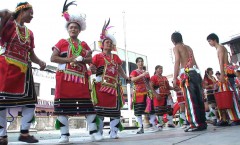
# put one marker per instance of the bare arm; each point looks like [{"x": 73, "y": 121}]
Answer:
[
  {"x": 177, "y": 63},
  {"x": 221, "y": 62},
  {"x": 4, "y": 17},
  {"x": 36, "y": 60},
  {"x": 121, "y": 72}
]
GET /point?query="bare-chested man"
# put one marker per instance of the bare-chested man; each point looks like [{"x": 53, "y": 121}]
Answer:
[
  {"x": 186, "y": 67},
  {"x": 226, "y": 71}
]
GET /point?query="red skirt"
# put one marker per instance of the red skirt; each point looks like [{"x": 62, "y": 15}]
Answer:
[
  {"x": 105, "y": 100},
  {"x": 68, "y": 89}
]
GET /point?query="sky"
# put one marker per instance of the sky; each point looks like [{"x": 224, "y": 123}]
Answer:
[{"x": 149, "y": 25}]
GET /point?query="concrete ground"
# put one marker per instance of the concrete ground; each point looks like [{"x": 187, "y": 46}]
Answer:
[{"x": 168, "y": 136}]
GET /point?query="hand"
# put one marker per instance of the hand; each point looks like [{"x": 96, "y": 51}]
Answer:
[
  {"x": 222, "y": 78},
  {"x": 93, "y": 68},
  {"x": 79, "y": 58},
  {"x": 175, "y": 84},
  {"x": 128, "y": 80},
  {"x": 42, "y": 65},
  {"x": 72, "y": 59},
  {"x": 145, "y": 73}
]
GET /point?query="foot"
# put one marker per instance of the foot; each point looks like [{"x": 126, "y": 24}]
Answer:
[
  {"x": 160, "y": 127},
  {"x": 154, "y": 128},
  {"x": 222, "y": 123},
  {"x": 184, "y": 126},
  {"x": 200, "y": 128},
  {"x": 171, "y": 125},
  {"x": 3, "y": 140},
  {"x": 113, "y": 135},
  {"x": 63, "y": 139},
  {"x": 235, "y": 123},
  {"x": 27, "y": 139},
  {"x": 140, "y": 130},
  {"x": 97, "y": 136}
]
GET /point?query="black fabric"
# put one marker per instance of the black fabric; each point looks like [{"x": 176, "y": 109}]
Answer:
[
  {"x": 24, "y": 131},
  {"x": 196, "y": 91},
  {"x": 165, "y": 109},
  {"x": 139, "y": 108},
  {"x": 71, "y": 106}
]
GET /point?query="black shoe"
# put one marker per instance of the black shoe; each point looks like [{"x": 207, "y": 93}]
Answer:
[
  {"x": 140, "y": 130},
  {"x": 3, "y": 141},
  {"x": 200, "y": 128},
  {"x": 235, "y": 123},
  {"x": 27, "y": 139},
  {"x": 222, "y": 123}
]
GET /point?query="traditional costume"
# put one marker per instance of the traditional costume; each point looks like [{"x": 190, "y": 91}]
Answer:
[
  {"x": 181, "y": 101},
  {"x": 106, "y": 91},
  {"x": 142, "y": 99},
  {"x": 210, "y": 83},
  {"x": 16, "y": 79},
  {"x": 193, "y": 93},
  {"x": 233, "y": 113},
  {"x": 165, "y": 104},
  {"x": 72, "y": 95}
]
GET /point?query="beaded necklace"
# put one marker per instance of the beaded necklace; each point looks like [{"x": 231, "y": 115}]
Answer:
[
  {"x": 75, "y": 51},
  {"x": 23, "y": 38}
]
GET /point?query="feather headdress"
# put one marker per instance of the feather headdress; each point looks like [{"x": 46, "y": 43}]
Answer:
[
  {"x": 80, "y": 19},
  {"x": 105, "y": 35}
]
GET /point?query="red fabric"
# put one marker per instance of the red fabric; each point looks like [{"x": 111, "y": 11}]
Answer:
[
  {"x": 176, "y": 107},
  {"x": 68, "y": 89},
  {"x": 163, "y": 84},
  {"x": 208, "y": 81},
  {"x": 140, "y": 86},
  {"x": 98, "y": 59},
  {"x": 12, "y": 80},
  {"x": 105, "y": 99},
  {"x": 158, "y": 103}
]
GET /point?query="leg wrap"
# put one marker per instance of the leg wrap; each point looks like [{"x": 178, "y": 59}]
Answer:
[
  {"x": 152, "y": 119},
  {"x": 114, "y": 124},
  {"x": 139, "y": 120},
  {"x": 91, "y": 120},
  {"x": 3, "y": 122},
  {"x": 170, "y": 119},
  {"x": 64, "y": 126},
  {"x": 101, "y": 124},
  {"x": 183, "y": 117},
  {"x": 28, "y": 115}
]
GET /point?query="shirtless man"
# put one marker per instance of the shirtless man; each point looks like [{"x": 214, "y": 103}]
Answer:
[
  {"x": 186, "y": 68},
  {"x": 226, "y": 71}
]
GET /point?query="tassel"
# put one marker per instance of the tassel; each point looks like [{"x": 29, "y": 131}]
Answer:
[
  {"x": 57, "y": 124},
  {"x": 121, "y": 128},
  {"x": 94, "y": 94},
  {"x": 148, "y": 106}
]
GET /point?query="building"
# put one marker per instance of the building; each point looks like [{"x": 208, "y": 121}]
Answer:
[{"x": 234, "y": 45}]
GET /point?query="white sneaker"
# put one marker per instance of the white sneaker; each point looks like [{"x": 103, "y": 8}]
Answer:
[
  {"x": 96, "y": 136},
  {"x": 154, "y": 128},
  {"x": 64, "y": 139},
  {"x": 113, "y": 135}
]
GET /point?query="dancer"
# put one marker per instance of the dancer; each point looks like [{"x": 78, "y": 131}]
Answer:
[
  {"x": 191, "y": 82},
  {"x": 16, "y": 79},
  {"x": 163, "y": 102},
  {"x": 72, "y": 96},
  {"x": 227, "y": 78},
  {"x": 142, "y": 95}
]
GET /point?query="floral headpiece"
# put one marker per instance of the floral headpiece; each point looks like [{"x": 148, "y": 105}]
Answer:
[
  {"x": 23, "y": 7},
  {"x": 80, "y": 19},
  {"x": 104, "y": 35}
]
